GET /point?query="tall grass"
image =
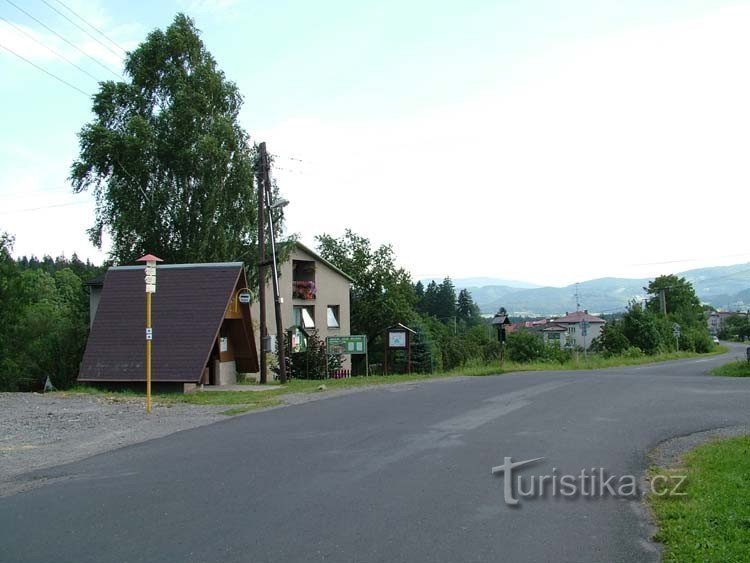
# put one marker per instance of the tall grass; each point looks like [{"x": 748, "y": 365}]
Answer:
[{"x": 739, "y": 368}]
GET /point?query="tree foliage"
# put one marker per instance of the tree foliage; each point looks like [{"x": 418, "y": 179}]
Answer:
[
  {"x": 168, "y": 163},
  {"x": 382, "y": 294},
  {"x": 44, "y": 314},
  {"x": 683, "y": 305},
  {"x": 467, "y": 311},
  {"x": 523, "y": 346},
  {"x": 735, "y": 327},
  {"x": 648, "y": 330}
]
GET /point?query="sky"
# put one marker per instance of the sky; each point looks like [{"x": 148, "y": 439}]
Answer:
[{"x": 551, "y": 142}]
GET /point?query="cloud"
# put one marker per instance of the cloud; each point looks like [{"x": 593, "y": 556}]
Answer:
[{"x": 576, "y": 163}]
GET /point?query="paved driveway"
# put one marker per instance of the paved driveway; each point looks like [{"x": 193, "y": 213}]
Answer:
[{"x": 391, "y": 474}]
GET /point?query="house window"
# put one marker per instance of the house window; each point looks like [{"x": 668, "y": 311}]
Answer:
[
  {"x": 303, "y": 270},
  {"x": 333, "y": 316},
  {"x": 571, "y": 330},
  {"x": 303, "y": 279},
  {"x": 553, "y": 336},
  {"x": 304, "y": 317}
]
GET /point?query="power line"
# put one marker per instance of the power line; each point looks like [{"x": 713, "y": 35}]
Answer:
[
  {"x": 51, "y": 7},
  {"x": 50, "y": 49},
  {"x": 92, "y": 26},
  {"x": 45, "y": 71},
  {"x": 44, "y": 207},
  {"x": 76, "y": 47},
  {"x": 689, "y": 260}
]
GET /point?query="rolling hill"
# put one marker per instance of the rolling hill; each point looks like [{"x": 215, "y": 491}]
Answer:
[{"x": 724, "y": 287}]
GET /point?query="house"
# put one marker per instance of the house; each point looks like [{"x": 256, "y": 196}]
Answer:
[
  {"x": 202, "y": 333},
  {"x": 555, "y": 334},
  {"x": 535, "y": 326},
  {"x": 580, "y": 328},
  {"x": 716, "y": 320},
  {"x": 315, "y": 297}
]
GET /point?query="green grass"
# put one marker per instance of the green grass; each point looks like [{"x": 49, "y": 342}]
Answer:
[
  {"x": 740, "y": 368},
  {"x": 712, "y": 521},
  {"x": 252, "y": 407},
  {"x": 245, "y": 400},
  {"x": 261, "y": 399},
  {"x": 595, "y": 361}
]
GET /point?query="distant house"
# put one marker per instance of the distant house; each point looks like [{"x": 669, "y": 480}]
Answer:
[
  {"x": 535, "y": 326},
  {"x": 580, "y": 329},
  {"x": 555, "y": 334},
  {"x": 315, "y": 296},
  {"x": 202, "y": 334},
  {"x": 716, "y": 320}
]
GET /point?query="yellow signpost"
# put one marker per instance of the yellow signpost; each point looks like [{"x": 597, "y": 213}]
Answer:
[
  {"x": 149, "y": 340},
  {"x": 150, "y": 279}
]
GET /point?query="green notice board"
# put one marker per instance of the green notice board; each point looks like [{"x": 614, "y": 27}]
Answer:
[{"x": 356, "y": 344}]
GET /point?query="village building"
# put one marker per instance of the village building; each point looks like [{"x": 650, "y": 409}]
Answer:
[
  {"x": 716, "y": 320},
  {"x": 580, "y": 329},
  {"x": 315, "y": 297}
]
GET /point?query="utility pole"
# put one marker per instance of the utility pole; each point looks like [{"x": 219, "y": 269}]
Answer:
[
  {"x": 262, "y": 266},
  {"x": 281, "y": 352},
  {"x": 578, "y": 301},
  {"x": 663, "y": 301}
]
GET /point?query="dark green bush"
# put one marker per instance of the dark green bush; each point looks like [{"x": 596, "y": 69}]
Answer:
[{"x": 523, "y": 346}]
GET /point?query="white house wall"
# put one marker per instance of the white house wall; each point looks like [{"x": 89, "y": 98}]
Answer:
[{"x": 331, "y": 289}]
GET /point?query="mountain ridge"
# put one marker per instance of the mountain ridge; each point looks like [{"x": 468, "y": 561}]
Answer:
[{"x": 726, "y": 287}]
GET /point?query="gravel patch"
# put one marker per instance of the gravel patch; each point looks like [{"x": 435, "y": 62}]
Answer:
[
  {"x": 44, "y": 430},
  {"x": 668, "y": 454},
  {"x": 40, "y": 431}
]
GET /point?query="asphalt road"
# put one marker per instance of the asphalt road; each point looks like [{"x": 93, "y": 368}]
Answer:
[{"x": 391, "y": 474}]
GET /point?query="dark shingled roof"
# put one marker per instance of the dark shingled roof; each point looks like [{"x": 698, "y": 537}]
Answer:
[{"x": 187, "y": 311}]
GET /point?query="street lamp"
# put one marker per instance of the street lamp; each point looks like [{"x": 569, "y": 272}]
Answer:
[
  {"x": 279, "y": 203},
  {"x": 150, "y": 279}
]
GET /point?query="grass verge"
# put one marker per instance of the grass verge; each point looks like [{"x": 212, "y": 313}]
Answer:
[
  {"x": 711, "y": 522},
  {"x": 740, "y": 368},
  {"x": 244, "y": 400},
  {"x": 593, "y": 361},
  {"x": 261, "y": 399}
]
